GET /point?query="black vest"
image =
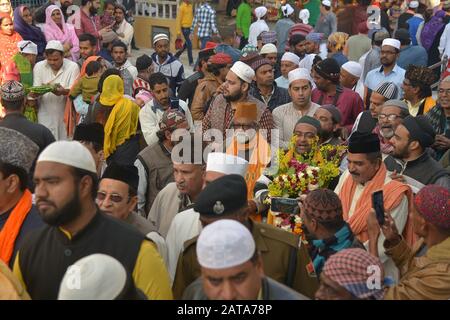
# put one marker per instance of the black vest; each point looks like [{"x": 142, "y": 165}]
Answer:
[{"x": 47, "y": 253}]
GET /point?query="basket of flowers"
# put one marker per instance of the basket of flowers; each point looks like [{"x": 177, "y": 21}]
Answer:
[{"x": 297, "y": 175}]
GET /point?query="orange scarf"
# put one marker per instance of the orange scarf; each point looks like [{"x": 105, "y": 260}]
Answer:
[
  {"x": 13, "y": 225},
  {"x": 392, "y": 196},
  {"x": 71, "y": 117},
  {"x": 259, "y": 159}
]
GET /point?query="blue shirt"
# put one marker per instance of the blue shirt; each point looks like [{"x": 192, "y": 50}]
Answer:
[
  {"x": 416, "y": 55},
  {"x": 414, "y": 23},
  {"x": 340, "y": 58},
  {"x": 234, "y": 53},
  {"x": 377, "y": 76}
]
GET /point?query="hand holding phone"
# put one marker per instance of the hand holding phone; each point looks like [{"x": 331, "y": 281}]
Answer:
[{"x": 378, "y": 205}]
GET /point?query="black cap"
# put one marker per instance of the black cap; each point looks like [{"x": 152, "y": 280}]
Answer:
[
  {"x": 363, "y": 142},
  {"x": 311, "y": 121},
  {"x": 328, "y": 69},
  {"x": 125, "y": 173},
  {"x": 222, "y": 196},
  {"x": 420, "y": 129},
  {"x": 92, "y": 132},
  {"x": 143, "y": 62}
]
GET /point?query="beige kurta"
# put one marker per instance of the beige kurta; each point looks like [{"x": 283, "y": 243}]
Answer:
[
  {"x": 167, "y": 204},
  {"x": 285, "y": 117},
  {"x": 399, "y": 214}
]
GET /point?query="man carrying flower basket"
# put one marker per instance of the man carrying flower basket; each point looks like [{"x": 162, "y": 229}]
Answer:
[{"x": 304, "y": 167}]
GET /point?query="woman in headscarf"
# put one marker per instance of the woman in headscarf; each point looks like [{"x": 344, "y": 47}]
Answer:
[
  {"x": 121, "y": 141},
  {"x": 9, "y": 39},
  {"x": 335, "y": 46},
  {"x": 56, "y": 28},
  {"x": 259, "y": 26},
  {"x": 23, "y": 24}
]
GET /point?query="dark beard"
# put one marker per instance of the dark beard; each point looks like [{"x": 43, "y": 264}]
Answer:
[
  {"x": 93, "y": 11},
  {"x": 326, "y": 135},
  {"x": 233, "y": 98},
  {"x": 69, "y": 212}
]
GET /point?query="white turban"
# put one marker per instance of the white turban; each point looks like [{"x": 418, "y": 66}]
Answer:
[
  {"x": 225, "y": 244},
  {"x": 292, "y": 57},
  {"x": 260, "y": 12},
  {"x": 299, "y": 74},
  {"x": 352, "y": 67},
  {"x": 287, "y": 10},
  {"x": 226, "y": 164},
  {"x": 70, "y": 153},
  {"x": 304, "y": 16},
  {"x": 243, "y": 71}
]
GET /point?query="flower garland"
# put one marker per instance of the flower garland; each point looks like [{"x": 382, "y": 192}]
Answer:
[{"x": 298, "y": 174}]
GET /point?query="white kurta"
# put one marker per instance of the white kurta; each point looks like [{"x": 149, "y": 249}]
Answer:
[
  {"x": 285, "y": 117},
  {"x": 256, "y": 28},
  {"x": 185, "y": 226},
  {"x": 127, "y": 31},
  {"x": 149, "y": 120},
  {"x": 399, "y": 214},
  {"x": 51, "y": 107}
]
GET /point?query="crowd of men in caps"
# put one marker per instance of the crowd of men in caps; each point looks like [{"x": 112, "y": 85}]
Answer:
[{"x": 94, "y": 206}]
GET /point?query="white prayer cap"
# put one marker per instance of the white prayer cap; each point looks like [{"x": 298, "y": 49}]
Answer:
[
  {"x": 226, "y": 164},
  {"x": 292, "y": 57},
  {"x": 414, "y": 4},
  {"x": 268, "y": 48},
  {"x": 243, "y": 71},
  {"x": 225, "y": 244},
  {"x": 260, "y": 12},
  {"x": 353, "y": 67},
  {"x": 160, "y": 36},
  {"x": 391, "y": 42},
  {"x": 287, "y": 10},
  {"x": 27, "y": 46},
  {"x": 326, "y": 3},
  {"x": 304, "y": 16},
  {"x": 70, "y": 153},
  {"x": 307, "y": 62},
  {"x": 55, "y": 45},
  {"x": 299, "y": 74},
  {"x": 95, "y": 277}
]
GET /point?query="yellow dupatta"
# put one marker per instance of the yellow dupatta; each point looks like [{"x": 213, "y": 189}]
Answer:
[{"x": 123, "y": 119}]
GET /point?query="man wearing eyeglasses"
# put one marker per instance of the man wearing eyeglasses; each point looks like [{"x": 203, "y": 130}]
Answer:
[
  {"x": 117, "y": 196},
  {"x": 389, "y": 70},
  {"x": 391, "y": 114}
]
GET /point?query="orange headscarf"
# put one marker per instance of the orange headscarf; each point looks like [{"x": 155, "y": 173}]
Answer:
[{"x": 71, "y": 117}]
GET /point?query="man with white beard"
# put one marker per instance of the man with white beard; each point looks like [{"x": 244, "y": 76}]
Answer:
[
  {"x": 391, "y": 114},
  {"x": 186, "y": 224}
]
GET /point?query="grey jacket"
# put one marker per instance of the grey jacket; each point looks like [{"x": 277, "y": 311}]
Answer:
[{"x": 271, "y": 290}]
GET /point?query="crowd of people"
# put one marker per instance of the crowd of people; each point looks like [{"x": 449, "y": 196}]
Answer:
[{"x": 127, "y": 180}]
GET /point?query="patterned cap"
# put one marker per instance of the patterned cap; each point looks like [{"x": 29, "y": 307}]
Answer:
[
  {"x": 17, "y": 149},
  {"x": 314, "y": 37},
  {"x": 420, "y": 75},
  {"x": 323, "y": 205},
  {"x": 12, "y": 91},
  {"x": 248, "y": 49},
  {"x": 171, "y": 119},
  {"x": 269, "y": 37},
  {"x": 328, "y": 69},
  {"x": 221, "y": 58},
  {"x": 351, "y": 268},
  {"x": 259, "y": 62},
  {"x": 388, "y": 90},
  {"x": 433, "y": 203}
]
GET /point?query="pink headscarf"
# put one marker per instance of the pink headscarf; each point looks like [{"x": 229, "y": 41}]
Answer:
[{"x": 51, "y": 30}]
